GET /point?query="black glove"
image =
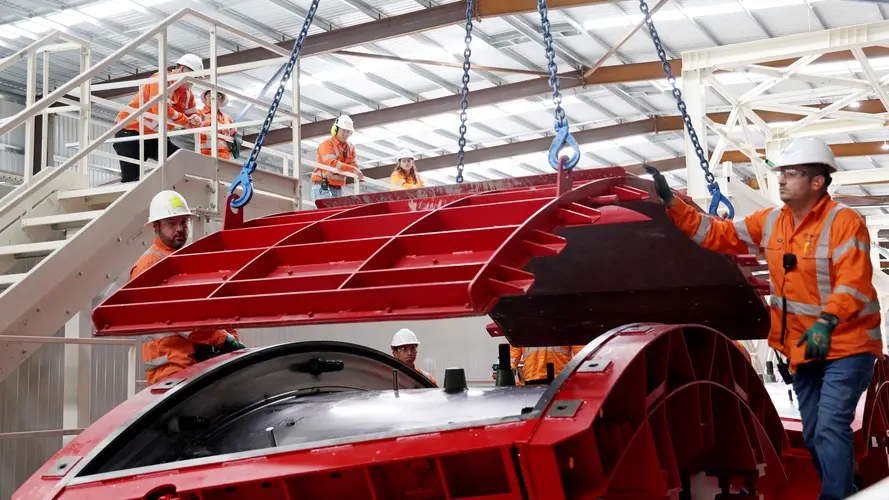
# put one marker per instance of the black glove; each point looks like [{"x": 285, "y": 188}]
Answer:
[
  {"x": 660, "y": 184},
  {"x": 236, "y": 146}
]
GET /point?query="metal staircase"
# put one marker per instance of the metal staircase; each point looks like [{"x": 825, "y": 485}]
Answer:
[
  {"x": 83, "y": 239},
  {"x": 62, "y": 241}
]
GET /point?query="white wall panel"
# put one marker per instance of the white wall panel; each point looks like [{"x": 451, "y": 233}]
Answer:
[
  {"x": 30, "y": 400},
  {"x": 9, "y": 161},
  {"x": 462, "y": 342}
]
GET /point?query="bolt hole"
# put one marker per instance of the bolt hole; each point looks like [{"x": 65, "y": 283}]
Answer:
[
  {"x": 62, "y": 466},
  {"x": 266, "y": 485},
  {"x": 231, "y": 489},
  {"x": 336, "y": 475},
  {"x": 561, "y": 407}
]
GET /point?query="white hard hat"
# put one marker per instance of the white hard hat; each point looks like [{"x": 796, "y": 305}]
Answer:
[
  {"x": 345, "y": 122},
  {"x": 167, "y": 204},
  {"x": 221, "y": 101},
  {"x": 404, "y": 337},
  {"x": 406, "y": 153},
  {"x": 192, "y": 62},
  {"x": 807, "y": 150}
]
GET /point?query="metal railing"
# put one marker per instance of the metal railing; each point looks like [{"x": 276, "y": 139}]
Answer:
[{"x": 131, "y": 368}]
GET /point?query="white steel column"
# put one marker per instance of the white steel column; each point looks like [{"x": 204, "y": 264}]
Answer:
[
  {"x": 162, "y": 105},
  {"x": 296, "y": 124},
  {"x": 30, "y": 98},
  {"x": 693, "y": 92},
  {"x": 85, "y": 111},
  {"x": 880, "y": 279},
  {"x": 77, "y": 383},
  {"x": 44, "y": 136},
  {"x": 773, "y": 154},
  {"x": 214, "y": 102}
]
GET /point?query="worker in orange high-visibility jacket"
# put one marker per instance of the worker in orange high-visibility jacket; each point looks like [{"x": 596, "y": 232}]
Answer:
[
  {"x": 405, "y": 175},
  {"x": 337, "y": 153},
  {"x": 535, "y": 359},
  {"x": 165, "y": 354},
  {"x": 404, "y": 347},
  {"x": 228, "y": 147},
  {"x": 180, "y": 108},
  {"x": 825, "y": 317}
]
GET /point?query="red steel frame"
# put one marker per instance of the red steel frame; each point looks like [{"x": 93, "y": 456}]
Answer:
[
  {"x": 654, "y": 400},
  {"x": 640, "y": 407},
  {"x": 448, "y": 256}
]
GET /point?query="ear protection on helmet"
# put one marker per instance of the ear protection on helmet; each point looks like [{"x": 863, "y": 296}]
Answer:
[{"x": 334, "y": 129}]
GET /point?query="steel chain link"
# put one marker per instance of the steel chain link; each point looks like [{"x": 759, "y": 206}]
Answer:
[
  {"x": 563, "y": 136},
  {"x": 244, "y": 178},
  {"x": 712, "y": 185},
  {"x": 464, "y": 92}
]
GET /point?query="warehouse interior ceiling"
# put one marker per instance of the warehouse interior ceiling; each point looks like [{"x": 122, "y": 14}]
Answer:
[{"x": 354, "y": 63}]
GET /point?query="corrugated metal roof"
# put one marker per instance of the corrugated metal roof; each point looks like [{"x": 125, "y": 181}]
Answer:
[{"x": 712, "y": 22}]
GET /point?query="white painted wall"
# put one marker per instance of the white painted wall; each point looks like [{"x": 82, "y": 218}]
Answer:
[{"x": 462, "y": 342}]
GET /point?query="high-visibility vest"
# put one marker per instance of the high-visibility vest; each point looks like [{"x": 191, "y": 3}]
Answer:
[
  {"x": 221, "y": 144},
  {"x": 338, "y": 155},
  {"x": 535, "y": 359},
  {"x": 401, "y": 181},
  {"x": 833, "y": 270},
  {"x": 180, "y": 105},
  {"x": 164, "y": 354}
]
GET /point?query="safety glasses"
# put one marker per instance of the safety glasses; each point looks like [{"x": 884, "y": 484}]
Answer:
[{"x": 796, "y": 173}]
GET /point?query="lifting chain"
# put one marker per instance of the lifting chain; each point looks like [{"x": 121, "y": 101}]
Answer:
[
  {"x": 716, "y": 195},
  {"x": 244, "y": 178},
  {"x": 464, "y": 93},
  {"x": 563, "y": 137}
]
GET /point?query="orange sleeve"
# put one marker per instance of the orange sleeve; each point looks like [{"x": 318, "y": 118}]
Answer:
[
  {"x": 738, "y": 237},
  {"x": 327, "y": 156},
  {"x": 852, "y": 267},
  {"x": 208, "y": 337},
  {"x": 172, "y": 114}
]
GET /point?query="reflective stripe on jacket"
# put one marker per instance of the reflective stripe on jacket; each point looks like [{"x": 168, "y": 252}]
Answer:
[
  {"x": 164, "y": 354},
  {"x": 425, "y": 374},
  {"x": 833, "y": 270},
  {"x": 402, "y": 181},
  {"x": 535, "y": 360},
  {"x": 180, "y": 105},
  {"x": 338, "y": 155},
  {"x": 222, "y": 119}
]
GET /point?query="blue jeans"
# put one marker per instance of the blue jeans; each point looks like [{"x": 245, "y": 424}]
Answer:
[
  {"x": 828, "y": 392},
  {"x": 332, "y": 192}
]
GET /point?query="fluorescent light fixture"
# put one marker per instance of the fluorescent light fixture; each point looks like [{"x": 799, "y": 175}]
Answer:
[
  {"x": 105, "y": 9},
  {"x": 32, "y": 27}
]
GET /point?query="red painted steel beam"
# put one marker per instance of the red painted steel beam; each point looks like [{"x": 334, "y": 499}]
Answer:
[
  {"x": 491, "y": 8},
  {"x": 452, "y": 256}
]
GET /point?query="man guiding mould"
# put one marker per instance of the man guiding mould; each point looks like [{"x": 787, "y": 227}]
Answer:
[{"x": 825, "y": 317}]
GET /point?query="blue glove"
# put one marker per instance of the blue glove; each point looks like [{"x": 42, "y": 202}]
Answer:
[{"x": 817, "y": 340}]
